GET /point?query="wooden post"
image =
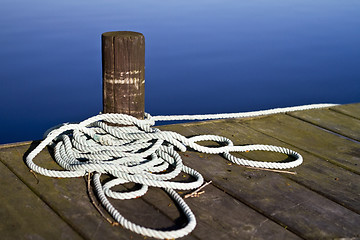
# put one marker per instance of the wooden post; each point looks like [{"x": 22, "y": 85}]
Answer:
[{"x": 123, "y": 61}]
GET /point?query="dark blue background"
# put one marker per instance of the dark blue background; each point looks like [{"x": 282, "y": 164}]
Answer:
[{"x": 201, "y": 57}]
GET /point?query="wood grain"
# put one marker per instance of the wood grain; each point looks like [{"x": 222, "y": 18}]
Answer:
[{"x": 123, "y": 73}]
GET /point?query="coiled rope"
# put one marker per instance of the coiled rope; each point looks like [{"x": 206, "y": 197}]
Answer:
[{"x": 138, "y": 153}]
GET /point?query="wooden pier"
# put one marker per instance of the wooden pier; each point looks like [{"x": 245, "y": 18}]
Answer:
[{"x": 320, "y": 201}]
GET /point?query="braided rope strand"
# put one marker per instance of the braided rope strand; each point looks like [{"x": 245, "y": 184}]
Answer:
[{"x": 144, "y": 155}]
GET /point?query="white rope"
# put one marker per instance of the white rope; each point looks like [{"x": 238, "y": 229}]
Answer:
[
  {"x": 242, "y": 114},
  {"x": 144, "y": 155}
]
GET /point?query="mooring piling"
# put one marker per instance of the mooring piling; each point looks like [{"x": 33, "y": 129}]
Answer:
[{"x": 123, "y": 63}]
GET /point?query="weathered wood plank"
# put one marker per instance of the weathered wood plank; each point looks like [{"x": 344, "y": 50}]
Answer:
[
  {"x": 305, "y": 136},
  {"x": 23, "y": 215},
  {"x": 15, "y": 144},
  {"x": 321, "y": 201},
  {"x": 220, "y": 216},
  {"x": 323, "y": 177},
  {"x": 331, "y": 120},
  {"x": 220, "y": 220},
  {"x": 69, "y": 199},
  {"x": 145, "y": 213},
  {"x": 349, "y": 109},
  {"x": 303, "y": 211},
  {"x": 295, "y": 207}
]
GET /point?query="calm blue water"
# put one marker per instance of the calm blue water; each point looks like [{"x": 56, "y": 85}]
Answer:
[{"x": 201, "y": 57}]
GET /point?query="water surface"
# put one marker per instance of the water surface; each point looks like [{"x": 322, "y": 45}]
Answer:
[{"x": 201, "y": 57}]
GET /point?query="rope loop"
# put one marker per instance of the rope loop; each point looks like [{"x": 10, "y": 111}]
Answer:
[{"x": 136, "y": 152}]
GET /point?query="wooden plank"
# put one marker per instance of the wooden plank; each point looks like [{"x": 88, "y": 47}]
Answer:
[
  {"x": 211, "y": 214},
  {"x": 331, "y": 120},
  {"x": 15, "y": 144},
  {"x": 145, "y": 213},
  {"x": 25, "y": 216},
  {"x": 340, "y": 151},
  {"x": 321, "y": 176},
  {"x": 349, "y": 109},
  {"x": 69, "y": 199},
  {"x": 220, "y": 216},
  {"x": 273, "y": 196},
  {"x": 301, "y": 210}
]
